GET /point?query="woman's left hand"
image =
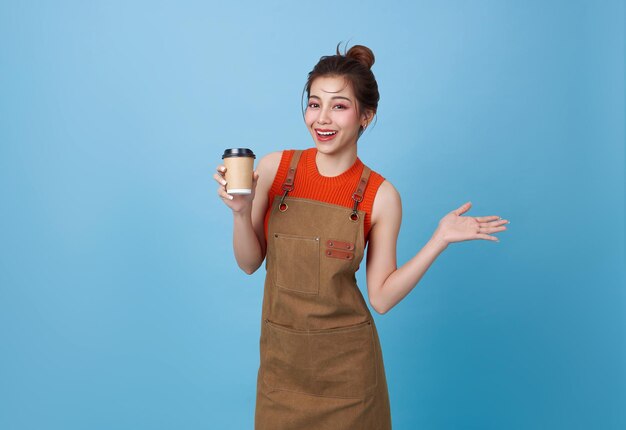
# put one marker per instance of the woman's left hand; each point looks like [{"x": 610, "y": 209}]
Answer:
[{"x": 456, "y": 228}]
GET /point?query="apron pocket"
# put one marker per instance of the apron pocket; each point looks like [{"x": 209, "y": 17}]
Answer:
[
  {"x": 297, "y": 263},
  {"x": 338, "y": 362}
]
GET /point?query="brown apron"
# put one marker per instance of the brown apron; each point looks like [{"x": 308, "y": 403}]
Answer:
[{"x": 321, "y": 362}]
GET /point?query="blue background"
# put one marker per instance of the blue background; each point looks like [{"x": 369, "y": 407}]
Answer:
[{"x": 121, "y": 304}]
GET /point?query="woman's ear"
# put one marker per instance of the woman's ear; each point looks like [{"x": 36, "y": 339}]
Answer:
[{"x": 366, "y": 118}]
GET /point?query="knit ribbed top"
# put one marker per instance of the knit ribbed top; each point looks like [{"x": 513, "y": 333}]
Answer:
[{"x": 310, "y": 184}]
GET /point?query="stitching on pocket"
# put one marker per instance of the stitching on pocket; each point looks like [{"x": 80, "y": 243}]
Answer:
[
  {"x": 297, "y": 263},
  {"x": 340, "y": 362}
]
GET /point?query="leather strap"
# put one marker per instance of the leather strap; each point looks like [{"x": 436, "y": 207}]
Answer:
[
  {"x": 288, "y": 183},
  {"x": 291, "y": 173},
  {"x": 360, "y": 189},
  {"x": 357, "y": 196}
]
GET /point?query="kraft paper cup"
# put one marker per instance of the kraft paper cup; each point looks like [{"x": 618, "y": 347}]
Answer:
[{"x": 239, "y": 164}]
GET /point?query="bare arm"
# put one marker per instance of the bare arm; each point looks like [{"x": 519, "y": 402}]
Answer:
[
  {"x": 386, "y": 284},
  {"x": 249, "y": 213}
]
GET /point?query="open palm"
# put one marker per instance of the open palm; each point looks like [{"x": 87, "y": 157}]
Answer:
[{"x": 457, "y": 228}]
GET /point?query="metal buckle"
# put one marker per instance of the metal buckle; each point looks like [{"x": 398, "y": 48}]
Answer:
[
  {"x": 354, "y": 216},
  {"x": 283, "y": 206}
]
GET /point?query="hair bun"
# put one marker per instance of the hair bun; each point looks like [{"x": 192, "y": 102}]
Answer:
[{"x": 361, "y": 53}]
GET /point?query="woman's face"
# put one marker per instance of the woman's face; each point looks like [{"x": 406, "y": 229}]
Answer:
[{"x": 331, "y": 114}]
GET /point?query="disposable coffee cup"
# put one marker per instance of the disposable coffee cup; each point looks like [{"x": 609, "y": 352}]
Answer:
[{"x": 239, "y": 164}]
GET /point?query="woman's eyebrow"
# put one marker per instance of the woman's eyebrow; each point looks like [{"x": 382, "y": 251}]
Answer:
[{"x": 332, "y": 98}]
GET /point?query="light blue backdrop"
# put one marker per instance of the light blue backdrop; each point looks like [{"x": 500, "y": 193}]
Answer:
[{"x": 121, "y": 305}]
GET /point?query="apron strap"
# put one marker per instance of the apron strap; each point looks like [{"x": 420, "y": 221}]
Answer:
[
  {"x": 288, "y": 183},
  {"x": 357, "y": 196}
]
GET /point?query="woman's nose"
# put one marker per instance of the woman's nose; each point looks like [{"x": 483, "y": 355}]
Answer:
[{"x": 323, "y": 118}]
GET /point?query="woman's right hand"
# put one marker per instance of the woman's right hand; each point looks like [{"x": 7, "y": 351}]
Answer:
[{"x": 236, "y": 202}]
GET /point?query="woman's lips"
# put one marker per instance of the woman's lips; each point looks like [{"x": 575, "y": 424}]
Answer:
[{"x": 325, "y": 137}]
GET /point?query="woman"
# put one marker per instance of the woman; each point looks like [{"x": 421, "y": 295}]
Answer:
[{"x": 312, "y": 213}]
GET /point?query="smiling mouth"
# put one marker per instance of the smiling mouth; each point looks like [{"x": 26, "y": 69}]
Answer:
[{"x": 326, "y": 133}]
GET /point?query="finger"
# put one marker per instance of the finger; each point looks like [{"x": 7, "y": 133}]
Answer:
[
  {"x": 487, "y": 218},
  {"x": 490, "y": 229},
  {"x": 221, "y": 172},
  {"x": 219, "y": 179},
  {"x": 500, "y": 222},
  {"x": 223, "y": 194},
  {"x": 487, "y": 237},
  {"x": 463, "y": 208},
  {"x": 495, "y": 223}
]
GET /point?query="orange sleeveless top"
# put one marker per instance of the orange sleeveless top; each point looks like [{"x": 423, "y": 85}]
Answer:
[{"x": 309, "y": 184}]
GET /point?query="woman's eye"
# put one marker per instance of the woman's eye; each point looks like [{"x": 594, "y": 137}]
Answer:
[{"x": 316, "y": 105}]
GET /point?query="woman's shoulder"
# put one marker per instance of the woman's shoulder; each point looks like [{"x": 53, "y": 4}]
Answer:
[
  {"x": 378, "y": 184},
  {"x": 386, "y": 193},
  {"x": 273, "y": 160},
  {"x": 270, "y": 162},
  {"x": 387, "y": 202},
  {"x": 273, "y": 166},
  {"x": 271, "y": 157},
  {"x": 389, "y": 189}
]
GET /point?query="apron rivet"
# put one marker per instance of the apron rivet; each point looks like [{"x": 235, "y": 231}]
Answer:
[{"x": 330, "y": 244}]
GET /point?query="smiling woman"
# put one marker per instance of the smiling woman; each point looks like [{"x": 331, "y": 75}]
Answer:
[
  {"x": 312, "y": 213},
  {"x": 332, "y": 114},
  {"x": 355, "y": 70}
]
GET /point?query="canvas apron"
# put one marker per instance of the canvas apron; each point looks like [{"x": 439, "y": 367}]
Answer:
[{"x": 321, "y": 365}]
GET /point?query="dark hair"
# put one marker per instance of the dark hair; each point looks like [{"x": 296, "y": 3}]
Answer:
[{"x": 355, "y": 66}]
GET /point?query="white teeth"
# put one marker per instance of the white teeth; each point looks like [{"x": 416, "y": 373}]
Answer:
[{"x": 326, "y": 133}]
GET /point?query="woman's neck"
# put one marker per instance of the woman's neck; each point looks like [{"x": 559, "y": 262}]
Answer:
[{"x": 335, "y": 164}]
